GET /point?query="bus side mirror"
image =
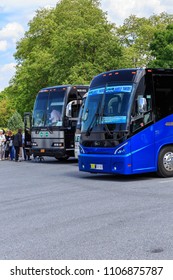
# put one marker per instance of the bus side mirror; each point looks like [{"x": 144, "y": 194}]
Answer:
[
  {"x": 142, "y": 105},
  {"x": 69, "y": 109},
  {"x": 70, "y": 106}
]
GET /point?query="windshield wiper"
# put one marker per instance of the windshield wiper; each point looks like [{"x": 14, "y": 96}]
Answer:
[
  {"x": 93, "y": 121},
  {"x": 99, "y": 113}
]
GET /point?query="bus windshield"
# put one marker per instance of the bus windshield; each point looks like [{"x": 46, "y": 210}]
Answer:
[
  {"x": 107, "y": 106},
  {"x": 48, "y": 108}
]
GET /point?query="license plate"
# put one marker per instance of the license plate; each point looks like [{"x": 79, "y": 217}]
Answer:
[
  {"x": 42, "y": 151},
  {"x": 96, "y": 166}
]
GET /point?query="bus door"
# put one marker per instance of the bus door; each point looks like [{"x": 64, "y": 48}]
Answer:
[
  {"x": 143, "y": 140},
  {"x": 72, "y": 111},
  {"x": 27, "y": 132}
]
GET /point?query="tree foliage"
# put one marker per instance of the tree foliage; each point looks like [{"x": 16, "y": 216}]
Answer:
[
  {"x": 68, "y": 44},
  {"x": 136, "y": 34},
  {"x": 73, "y": 42},
  {"x": 162, "y": 48},
  {"x": 6, "y": 109},
  {"x": 15, "y": 122}
]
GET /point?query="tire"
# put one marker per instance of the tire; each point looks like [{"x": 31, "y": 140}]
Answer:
[{"x": 165, "y": 162}]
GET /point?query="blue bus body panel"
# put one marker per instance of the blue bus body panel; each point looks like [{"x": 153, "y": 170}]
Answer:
[
  {"x": 163, "y": 134},
  {"x": 142, "y": 151},
  {"x": 137, "y": 154}
]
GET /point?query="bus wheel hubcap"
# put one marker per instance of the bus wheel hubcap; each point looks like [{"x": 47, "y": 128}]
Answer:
[{"x": 168, "y": 161}]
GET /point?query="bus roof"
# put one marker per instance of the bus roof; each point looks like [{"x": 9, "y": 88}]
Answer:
[
  {"x": 64, "y": 86},
  {"x": 125, "y": 75}
]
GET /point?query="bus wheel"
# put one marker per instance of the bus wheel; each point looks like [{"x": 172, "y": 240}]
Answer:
[{"x": 165, "y": 162}]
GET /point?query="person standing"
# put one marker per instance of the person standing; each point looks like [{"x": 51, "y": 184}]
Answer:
[
  {"x": 17, "y": 142},
  {"x": 7, "y": 145},
  {"x": 11, "y": 147},
  {"x": 2, "y": 143}
]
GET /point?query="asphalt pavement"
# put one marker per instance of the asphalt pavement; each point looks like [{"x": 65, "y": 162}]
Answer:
[{"x": 50, "y": 210}]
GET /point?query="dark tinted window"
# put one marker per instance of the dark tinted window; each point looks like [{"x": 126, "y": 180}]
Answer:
[
  {"x": 163, "y": 85},
  {"x": 41, "y": 101}
]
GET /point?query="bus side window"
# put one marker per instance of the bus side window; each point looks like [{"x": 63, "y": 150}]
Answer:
[
  {"x": 140, "y": 120},
  {"x": 147, "y": 118}
]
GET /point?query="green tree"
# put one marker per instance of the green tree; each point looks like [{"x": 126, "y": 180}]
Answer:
[
  {"x": 6, "y": 109},
  {"x": 73, "y": 42},
  {"x": 162, "y": 48},
  {"x": 15, "y": 122},
  {"x": 84, "y": 40},
  {"x": 68, "y": 44},
  {"x": 136, "y": 34}
]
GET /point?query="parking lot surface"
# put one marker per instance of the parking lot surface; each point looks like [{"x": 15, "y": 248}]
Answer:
[{"x": 50, "y": 210}]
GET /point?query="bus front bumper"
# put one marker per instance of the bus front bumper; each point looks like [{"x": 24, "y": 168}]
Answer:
[
  {"x": 96, "y": 163},
  {"x": 58, "y": 153}
]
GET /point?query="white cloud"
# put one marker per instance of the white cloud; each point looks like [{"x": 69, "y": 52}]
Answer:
[
  {"x": 11, "y": 5},
  {"x": 13, "y": 23},
  {"x": 119, "y": 10},
  {"x": 7, "y": 71},
  {"x": 12, "y": 31},
  {"x": 3, "y": 45},
  {"x": 9, "y": 34}
]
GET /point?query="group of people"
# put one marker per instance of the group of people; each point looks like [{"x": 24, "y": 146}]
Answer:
[{"x": 12, "y": 146}]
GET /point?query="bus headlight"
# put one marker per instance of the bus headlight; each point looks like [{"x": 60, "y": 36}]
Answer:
[
  {"x": 34, "y": 144},
  {"x": 57, "y": 144}
]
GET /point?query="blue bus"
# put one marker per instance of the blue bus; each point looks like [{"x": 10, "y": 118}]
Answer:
[
  {"x": 127, "y": 123},
  {"x": 54, "y": 120}
]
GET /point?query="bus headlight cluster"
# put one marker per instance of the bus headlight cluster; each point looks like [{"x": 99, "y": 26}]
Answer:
[
  {"x": 34, "y": 144},
  {"x": 56, "y": 144}
]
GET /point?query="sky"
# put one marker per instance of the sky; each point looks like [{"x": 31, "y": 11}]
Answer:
[{"x": 15, "y": 15}]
